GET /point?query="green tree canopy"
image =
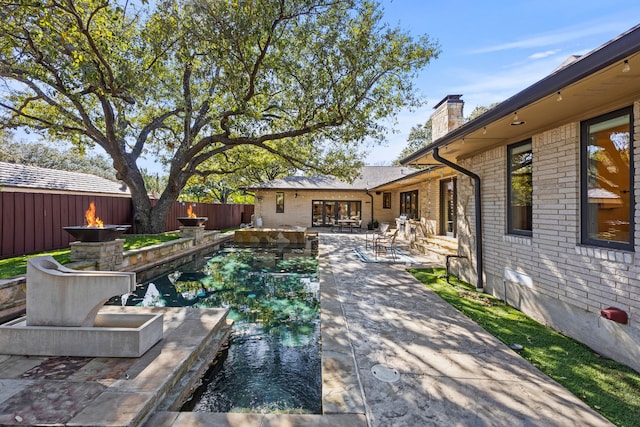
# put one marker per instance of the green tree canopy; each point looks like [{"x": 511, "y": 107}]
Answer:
[{"x": 187, "y": 81}]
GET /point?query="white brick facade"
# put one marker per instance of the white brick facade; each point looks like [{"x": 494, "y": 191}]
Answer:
[{"x": 551, "y": 276}]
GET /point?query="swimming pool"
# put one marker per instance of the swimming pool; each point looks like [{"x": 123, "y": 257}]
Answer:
[{"x": 272, "y": 363}]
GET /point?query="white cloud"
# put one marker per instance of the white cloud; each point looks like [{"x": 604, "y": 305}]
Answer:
[
  {"x": 555, "y": 37},
  {"x": 541, "y": 55}
]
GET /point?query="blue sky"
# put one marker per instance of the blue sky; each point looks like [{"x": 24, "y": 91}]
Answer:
[{"x": 493, "y": 49}]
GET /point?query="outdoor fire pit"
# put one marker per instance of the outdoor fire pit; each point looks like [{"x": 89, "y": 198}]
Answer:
[
  {"x": 192, "y": 221},
  {"x": 106, "y": 233},
  {"x": 95, "y": 230}
]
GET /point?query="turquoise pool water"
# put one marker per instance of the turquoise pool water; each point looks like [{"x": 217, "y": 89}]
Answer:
[{"x": 272, "y": 363}]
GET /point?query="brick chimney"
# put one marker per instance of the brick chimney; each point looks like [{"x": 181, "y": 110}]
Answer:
[{"x": 447, "y": 117}]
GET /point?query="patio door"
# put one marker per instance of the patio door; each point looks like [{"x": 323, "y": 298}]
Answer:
[
  {"x": 448, "y": 202},
  {"x": 327, "y": 212},
  {"x": 324, "y": 212}
]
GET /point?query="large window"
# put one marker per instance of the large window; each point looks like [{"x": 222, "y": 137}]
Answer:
[
  {"x": 409, "y": 204},
  {"x": 607, "y": 180},
  {"x": 519, "y": 188}
]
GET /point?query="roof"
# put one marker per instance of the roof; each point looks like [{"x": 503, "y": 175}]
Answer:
[
  {"x": 608, "y": 76},
  {"x": 21, "y": 176},
  {"x": 370, "y": 177}
]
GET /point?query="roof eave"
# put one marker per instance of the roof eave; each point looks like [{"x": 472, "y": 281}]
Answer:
[{"x": 614, "y": 51}]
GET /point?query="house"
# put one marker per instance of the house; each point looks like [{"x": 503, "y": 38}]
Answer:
[
  {"x": 543, "y": 190},
  {"x": 321, "y": 201}
]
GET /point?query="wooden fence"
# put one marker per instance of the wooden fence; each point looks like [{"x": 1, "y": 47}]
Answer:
[{"x": 33, "y": 222}]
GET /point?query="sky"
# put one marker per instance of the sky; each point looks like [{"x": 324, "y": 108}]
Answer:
[{"x": 493, "y": 49}]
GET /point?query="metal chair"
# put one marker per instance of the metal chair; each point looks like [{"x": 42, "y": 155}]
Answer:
[{"x": 386, "y": 244}]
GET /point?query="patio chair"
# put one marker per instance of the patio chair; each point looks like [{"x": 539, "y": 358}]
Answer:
[
  {"x": 377, "y": 233},
  {"x": 386, "y": 244}
]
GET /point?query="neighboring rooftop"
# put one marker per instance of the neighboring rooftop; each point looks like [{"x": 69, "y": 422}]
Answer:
[
  {"x": 370, "y": 177},
  {"x": 15, "y": 176}
]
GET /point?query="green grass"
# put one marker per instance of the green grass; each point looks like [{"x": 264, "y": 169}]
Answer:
[
  {"x": 17, "y": 266},
  {"x": 609, "y": 387}
]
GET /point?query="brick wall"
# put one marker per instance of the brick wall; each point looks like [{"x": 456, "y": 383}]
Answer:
[{"x": 555, "y": 279}]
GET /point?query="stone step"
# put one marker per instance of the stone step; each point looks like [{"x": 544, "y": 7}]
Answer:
[{"x": 443, "y": 242}]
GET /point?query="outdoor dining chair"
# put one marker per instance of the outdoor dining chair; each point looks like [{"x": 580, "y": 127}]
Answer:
[{"x": 386, "y": 244}]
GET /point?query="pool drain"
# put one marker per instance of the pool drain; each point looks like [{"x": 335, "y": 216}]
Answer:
[{"x": 385, "y": 373}]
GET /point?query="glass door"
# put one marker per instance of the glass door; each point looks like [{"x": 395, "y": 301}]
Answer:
[{"x": 323, "y": 213}]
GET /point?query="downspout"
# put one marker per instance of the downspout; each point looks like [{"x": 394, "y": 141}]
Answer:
[
  {"x": 371, "y": 195},
  {"x": 478, "y": 203}
]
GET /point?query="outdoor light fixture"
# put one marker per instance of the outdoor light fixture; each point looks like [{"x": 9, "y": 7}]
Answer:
[
  {"x": 484, "y": 130},
  {"x": 559, "y": 98},
  {"x": 626, "y": 67},
  {"x": 516, "y": 121}
]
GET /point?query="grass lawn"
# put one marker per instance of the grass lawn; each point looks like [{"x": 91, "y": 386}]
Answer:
[
  {"x": 609, "y": 387},
  {"x": 17, "y": 266}
]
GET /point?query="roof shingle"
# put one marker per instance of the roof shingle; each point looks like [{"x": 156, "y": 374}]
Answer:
[{"x": 21, "y": 176}]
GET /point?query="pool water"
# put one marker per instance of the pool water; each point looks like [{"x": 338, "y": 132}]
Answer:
[{"x": 272, "y": 363}]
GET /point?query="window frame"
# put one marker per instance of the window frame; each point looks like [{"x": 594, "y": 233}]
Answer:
[
  {"x": 412, "y": 196},
  {"x": 386, "y": 200},
  {"x": 510, "y": 226},
  {"x": 279, "y": 201},
  {"x": 584, "y": 181}
]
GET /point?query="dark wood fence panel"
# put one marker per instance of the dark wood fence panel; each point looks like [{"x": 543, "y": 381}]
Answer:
[{"x": 34, "y": 222}]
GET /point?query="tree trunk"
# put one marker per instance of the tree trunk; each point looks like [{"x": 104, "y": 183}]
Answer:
[{"x": 148, "y": 218}]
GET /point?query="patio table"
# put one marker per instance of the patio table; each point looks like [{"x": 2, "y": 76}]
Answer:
[{"x": 348, "y": 223}]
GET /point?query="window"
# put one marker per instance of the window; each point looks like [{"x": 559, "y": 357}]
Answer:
[
  {"x": 607, "y": 180},
  {"x": 519, "y": 188},
  {"x": 409, "y": 204},
  {"x": 279, "y": 202},
  {"x": 386, "y": 200}
]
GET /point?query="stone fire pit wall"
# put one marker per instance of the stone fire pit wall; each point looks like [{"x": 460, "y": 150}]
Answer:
[
  {"x": 106, "y": 255},
  {"x": 192, "y": 232}
]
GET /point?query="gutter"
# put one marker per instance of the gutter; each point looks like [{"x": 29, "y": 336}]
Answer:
[{"x": 478, "y": 203}]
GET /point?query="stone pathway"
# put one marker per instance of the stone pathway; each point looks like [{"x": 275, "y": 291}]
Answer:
[{"x": 419, "y": 362}]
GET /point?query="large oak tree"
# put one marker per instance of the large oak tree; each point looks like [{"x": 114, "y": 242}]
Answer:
[{"x": 190, "y": 81}]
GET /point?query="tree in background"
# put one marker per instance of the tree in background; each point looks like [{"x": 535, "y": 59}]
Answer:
[
  {"x": 44, "y": 156},
  {"x": 420, "y": 135},
  {"x": 189, "y": 81}
]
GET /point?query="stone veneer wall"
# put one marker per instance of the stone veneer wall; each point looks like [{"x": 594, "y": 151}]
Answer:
[
  {"x": 551, "y": 276},
  {"x": 270, "y": 236}
]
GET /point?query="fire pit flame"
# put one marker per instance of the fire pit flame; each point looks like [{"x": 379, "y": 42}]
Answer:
[
  {"x": 92, "y": 219},
  {"x": 95, "y": 230},
  {"x": 192, "y": 220}
]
